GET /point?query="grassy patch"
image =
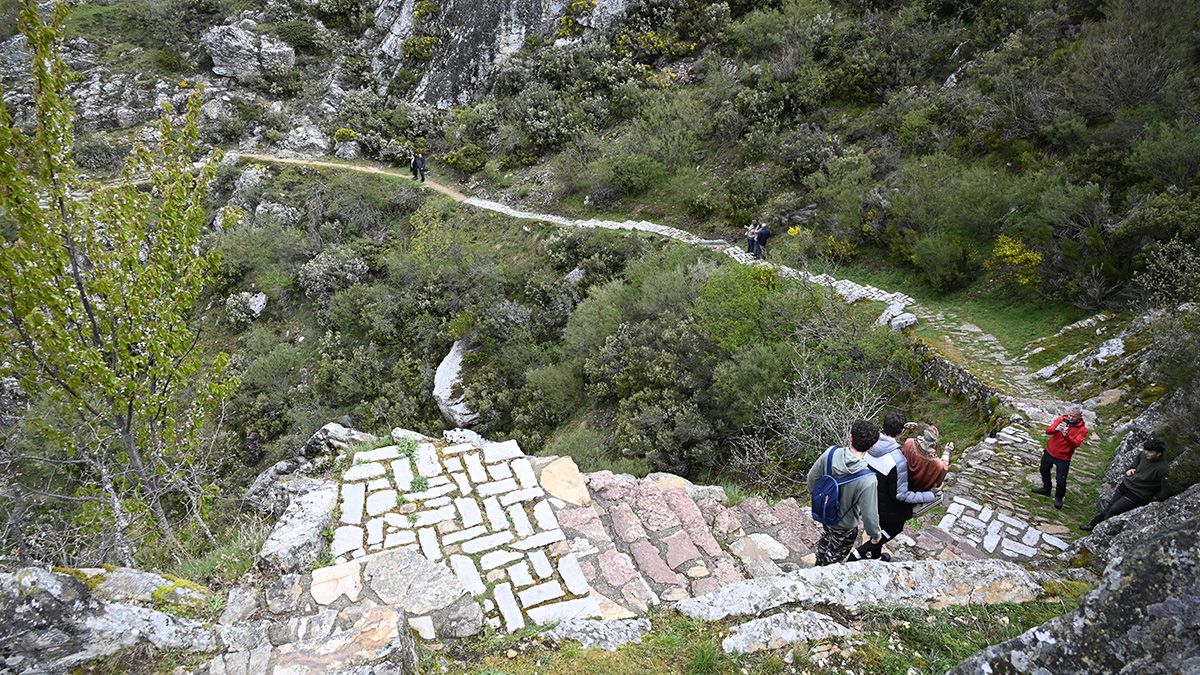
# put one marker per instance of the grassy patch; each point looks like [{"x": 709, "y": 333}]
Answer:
[
  {"x": 224, "y": 563},
  {"x": 956, "y": 420}
]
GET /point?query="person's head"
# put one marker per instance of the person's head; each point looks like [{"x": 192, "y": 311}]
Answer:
[
  {"x": 1074, "y": 413},
  {"x": 893, "y": 423},
  {"x": 1155, "y": 449},
  {"x": 863, "y": 434}
]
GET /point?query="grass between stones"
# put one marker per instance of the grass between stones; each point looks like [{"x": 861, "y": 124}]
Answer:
[{"x": 888, "y": 641}]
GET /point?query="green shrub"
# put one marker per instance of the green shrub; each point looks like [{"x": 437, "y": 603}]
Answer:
[
  {"x": 468, "y": 159},
  {"x": 344, "y": 135},
  {"x": 100, "y": 154},
  {"x": 945, "y": 261},
  {"x": 637, "y": 174},
  {"x": 419, "y": 49},
  {"x": 300, "y": 35}
]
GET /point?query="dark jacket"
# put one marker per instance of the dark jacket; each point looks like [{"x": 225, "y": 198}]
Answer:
[
  {"x": 762, "y": 234},
  {"x": 1147, "y": 479},
  {"x": 420, "y": 162},
  {"x": 896, "y": 500}
]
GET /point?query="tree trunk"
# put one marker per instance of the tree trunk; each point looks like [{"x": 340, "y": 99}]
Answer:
[
  {"x": 124, "y": 547},
  {"x": 149, "y": 487}
]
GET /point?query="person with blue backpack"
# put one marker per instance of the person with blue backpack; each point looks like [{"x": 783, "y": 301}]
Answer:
[{"x": 844, "y": 492}]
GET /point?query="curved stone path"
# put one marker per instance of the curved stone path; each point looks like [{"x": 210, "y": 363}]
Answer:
[{"x": 984, "y": 518}]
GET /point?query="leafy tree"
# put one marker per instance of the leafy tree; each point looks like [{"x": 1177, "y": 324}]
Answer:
[{"x": 99, "y": 284}]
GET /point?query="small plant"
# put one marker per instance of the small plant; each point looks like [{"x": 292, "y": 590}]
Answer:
[
  {"x": 419, "y": 49},
  {"x": 344, "y": 135},
  {"x": 706, "y": 659},
  {"x": 407, "y": 447},
  {"x": 327, "y": 533},
  {"x": 326, "y": 560},
  {"x": 412, "y": 519},
  {"x": 420, "y": 484},
  {"x": 401, "y": 500}
]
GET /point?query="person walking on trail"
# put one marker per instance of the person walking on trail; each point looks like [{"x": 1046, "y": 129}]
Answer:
[
  {"x": 895, "y": 499},
  {"x": 752, "y": 238},
  {"x": 412, "y": 164},
  {"x": 419, "y": 167},
  {"x": 1066, "y": 433},
  {"x": 760, "y": 239},
  {"x": 852, "y": 486},
  {"x": 1142, "y": 483}
]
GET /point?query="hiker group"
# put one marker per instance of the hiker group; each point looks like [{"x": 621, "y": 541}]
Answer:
[
  {"x": 756, "y": 238},
  {"x": 882, "y": 483}
]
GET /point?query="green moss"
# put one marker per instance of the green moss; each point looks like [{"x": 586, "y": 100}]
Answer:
[
  {"x": 91, "y": 581},
  {"x": 1066, "y": 589}
]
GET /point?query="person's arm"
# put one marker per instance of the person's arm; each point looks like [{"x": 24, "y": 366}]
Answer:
[
  {"x": 815, "y": 473},
  {"x": 902, "y": 492},
  {"x": 868, "y": 510},
  {"x": 1076, "y": 434},
  {"x": 1053, "y": 428}
]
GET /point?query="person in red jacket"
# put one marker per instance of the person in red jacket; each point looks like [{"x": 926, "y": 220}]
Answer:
[{"x": 1066, "y": 434}]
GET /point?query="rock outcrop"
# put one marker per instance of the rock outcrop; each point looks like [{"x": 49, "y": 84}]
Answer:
[
  {"x": 244, "y": 54},
  {"x": 1142, "y": 618},
  {"x": 52, "y": 622},
  {"x": 446, "y": 380},
  {"x": 1122, "y": 535},
  {"x": 297, "y": 540},
  {"x": 479, "y": 36}
]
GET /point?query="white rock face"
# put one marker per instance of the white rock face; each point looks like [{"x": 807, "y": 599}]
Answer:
[
  {"x": 781, "y": 630},
  {"x": 241, "y": 53},
  {"x": 445, "y": 380},
  {"x": 904, "y": 321},
  {"x": 296, "y": 542},
  {"x": 931, "y": 583},
  {"x": 306, "y": 137}
]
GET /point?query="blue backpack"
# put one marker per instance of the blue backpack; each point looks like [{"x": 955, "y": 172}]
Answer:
[{"x": 825, "y": 495}]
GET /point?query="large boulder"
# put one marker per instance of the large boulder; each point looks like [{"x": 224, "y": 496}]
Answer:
[
  {"x": 447, "y": 382},
  {"x": 1119, "y": 536},
  {"x": 241, "y": 53},
  {"x": 1142, "y": 618},
  {"x": 298, "y": 539},
  {"x": 52, "y": 622}
]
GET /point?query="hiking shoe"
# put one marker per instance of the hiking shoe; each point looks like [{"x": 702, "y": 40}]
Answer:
[
  {"x": 1040, "y": 491},
  {"x": 1058, "y": 503},
  {"x": 885, "y": 557}
]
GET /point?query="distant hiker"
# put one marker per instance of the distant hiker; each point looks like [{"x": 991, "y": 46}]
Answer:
[
  {"x": 1142, "y": 483},
  {"x": 896, "y": 499},
  {"x": 419, "y": 166},
  {"x": 752, "y": 238},
  {"x": 761, "y": 239},
  {"x": 1066, "y": 433},
  {"x": 412, "y": 164},
  {"x": 840, "y": 477}
]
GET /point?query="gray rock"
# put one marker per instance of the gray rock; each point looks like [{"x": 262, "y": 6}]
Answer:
[
  {"x": 904, "y": 321},
  {"x": 241, "y": 53},
  {"x": 240, "y": 604},
  {"x": 148, "y": 589},
  {"x": 378, "y": 634},
  {"x": 1122, "y": 535},
  {"x": 269, "y": 493},
  {"x": 575, "y": 276},
  {"x": 284, "y": 595},
  {"x": 348, "y": 150},
  {"x": 306, "y": 137},
  {"x": 406, "y": 579},
  {"x": 245, "y": 635},
  {"x": 275, "y": 56},
  {"x": 445, "y": 381},
  {"x": 51, "y": 622},
  {"x": 297, "y": 540},
  {"x": 780, "y": 630},
  {"x": 1142, "y": 618},
  {"x": 333, "y": 439},
  {"x": 933, "y": 583},
  {"x": 758, "y": 563},
  {"x": 279, "y": 213},
  {"x": 600, "y": 634}
]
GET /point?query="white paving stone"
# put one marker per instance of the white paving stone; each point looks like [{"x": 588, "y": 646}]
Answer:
[
  {"x": 499, "y": 471},
  {"x": 437, "y": 503},
  {"x": 427, "y": 460},
  {"x": 490, "y": 561},
  {"x": 524, "y": 472},
  {"x": 509, "y": 609},
  {"x": 457, "y": 448},
  {"x": 541, "y": 564},
  {"x": 345, "y": 539},
  {"x": 538, "y": 540},
  {"x": 498, "y": 452},
  {"x": 363, "y": 472},
  {"x": 495, "y": 514},
  {"x": 429, "y": 544},
  {"x": 520, "y": 575},
  {"x": 1031, "y": 536},
  {"x": 1017, "y": 547},
  {"x": 453, "y": 464},
  {"x": 990, "y": 542},
  {"x": 947, "y": 522},
  {"x": 353, "y": 496},
  {"x": 439, "y": 480},
  {"x": 475, "y": 468},
  {"x": 956, "y": 509},
  {"x": 572, "y": 575},
  {"x": 582, "y": 608},
  {"x": 378, "y": 484},
  {"x": 381, "y": 502},
  {"x": 968, "y": 503},
  {"x": 1054, "y": 541},
  {"x": 399, "y": 520},
  {"x": 488, "y": 542},
  {"x": 402, "y": 472},
  {"x": 544, "y": 515},
  {"x": 496, "y": 487},
  {"x": 464, "y": 569},
  {"x": 520, "y": 521},
  {"x": 551, "y": 590},
  {"x": 464, "y": 486},
  {"x": 379, "y": 455},
  {"x": 431, "y": 493},
  {"x": 374, "y": 531},
  {"x": 401, "y": 538},
  {"x": 468, "y": 511},
  {"x": 463, "y": 535},
  {"x": 522, "y": 496},
  {"x": 435, "y": 516}
]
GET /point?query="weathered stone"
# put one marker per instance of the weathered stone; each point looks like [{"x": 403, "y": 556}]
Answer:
[
  {"x": 680, "y": 549},
  {"x": 284, "y": 595},
  {"x": 583, "y": 608},
  {"x": 561, "y": 479},
  {"x": 906, "y": 584},
  {"x": 600, "y": 634},
  {"x": 610, "y": 610},
  {"x": 296, "y": 541},
  {"x": 625, "y": 522},
  {"x": 353, "y": 499},
  {"x": 609, "y": 486},
  {"x": 780, "y": 630},
  {"x": 506, "y": 602},
  {"x": 769, "y": 546},
  {"x": 1142, "y": 618},
  {"x": 1122, "y": 535},
  {"x": 758, "y": 563},
  {"x": 651, "y": 564},
  {"x": 360, "y": 472},
  {"x": 331, "y": 583},
  {"x": 381, "y": 632},
  {"x": 653, "y": 510},
  {"x": 446, "y": 381},
  {"x": 241, "y": 604},
  {"x": 406, "y": 579},
  {"x": 583, "y": 520}
]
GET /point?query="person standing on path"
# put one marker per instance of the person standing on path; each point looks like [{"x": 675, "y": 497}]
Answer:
[
  {"x": 760, "y": 239},
  {"x": 419, "y": 166},
  {"x": 857, "y": 499},
  {"x": 1142, "y": 483},
  {"x": 895, "y": 499},
  {"x": 1066, "y": 435},
  {"x": 412, "y": 164},
  {"x": 752, "y": 238}
]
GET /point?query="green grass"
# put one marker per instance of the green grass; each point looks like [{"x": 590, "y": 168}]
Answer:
[
  {"x": 957, "y": 420},
  {"x": 226, "y": 562}
]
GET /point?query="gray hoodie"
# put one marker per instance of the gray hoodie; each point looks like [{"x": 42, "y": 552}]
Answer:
[{"x": 858, "y": 500}]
